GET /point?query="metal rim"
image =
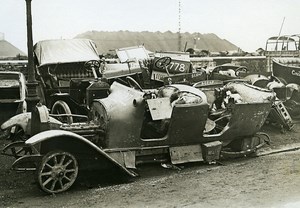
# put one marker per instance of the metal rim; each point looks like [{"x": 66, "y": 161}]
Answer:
[
  {"x": 61, "y": 107},
  {"x": 57, "y": 172}
]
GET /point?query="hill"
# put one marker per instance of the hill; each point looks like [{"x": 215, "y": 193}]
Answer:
[
  {"x": 8, "y": 50},
  {"x": 156, "y": 41}
]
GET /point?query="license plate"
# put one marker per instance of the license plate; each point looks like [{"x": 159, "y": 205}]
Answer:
[
  {"x": 209, "y": 83},
  {"x": 175, "y": 67},
  {"x": 159, "y": 76}
]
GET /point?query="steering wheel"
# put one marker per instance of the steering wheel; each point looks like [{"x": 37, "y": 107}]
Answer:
[
  {"x": 92, "y": 64},
  {"x": 162, "y": 62},
  {"x": 241, "y": 69},
  {"x": 132, "y": 83},
  {"x": 279, "y": 80}
]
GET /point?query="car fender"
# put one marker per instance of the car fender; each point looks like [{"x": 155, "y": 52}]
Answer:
[
  {"x": 21, "y": 120},
  {"x": 51, "y": 134}
]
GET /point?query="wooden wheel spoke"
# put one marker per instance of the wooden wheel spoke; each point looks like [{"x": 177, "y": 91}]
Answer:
[
  {"x": 61, "y": 183},
  {"x": 53, "y": 184},
  {"x": 70, "y": 171},
  {"x": 46, "y": 173},
  {"x": 47, "y": 181},
  {"x": 55, "y": 160},
  {"x": 68, "y": 163},
  {"x": 62, "y": 160},
  {"x": 69, "y": 179},
  {"x": 48, "y": 165}
]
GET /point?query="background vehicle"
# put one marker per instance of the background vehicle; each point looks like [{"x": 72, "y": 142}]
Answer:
[
  {"x": 12, "y": 94},
  {"x": 284, "y": 46},
  {"x": 287, "y": 71},
  {"x": 71, "y": 74},
  {"x": 173, "y": 67},
  {"x": 227, "y": 72}
]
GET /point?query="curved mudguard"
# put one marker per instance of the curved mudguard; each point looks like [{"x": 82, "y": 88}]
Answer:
[
  {"x": 21, "y": 120},
  {"x": 50, "y": 134}
]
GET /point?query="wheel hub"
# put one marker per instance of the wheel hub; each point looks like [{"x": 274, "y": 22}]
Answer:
[{"x": 58, "y": 172}]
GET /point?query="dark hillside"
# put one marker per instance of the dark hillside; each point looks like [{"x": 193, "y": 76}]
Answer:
[
  {"x": 8, "y": 50},
  {"x": 156, "y": 41}
]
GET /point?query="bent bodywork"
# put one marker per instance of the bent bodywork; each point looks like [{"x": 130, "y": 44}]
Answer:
[
  {"x": 131, "y": 126},
  {"x": 43, "y": 142}
]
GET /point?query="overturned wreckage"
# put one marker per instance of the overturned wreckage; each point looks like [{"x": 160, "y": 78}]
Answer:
[{"x": 131, "y": 126}]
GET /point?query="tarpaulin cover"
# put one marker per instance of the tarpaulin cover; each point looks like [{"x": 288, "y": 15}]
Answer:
[{"x": 65, "y": 51}]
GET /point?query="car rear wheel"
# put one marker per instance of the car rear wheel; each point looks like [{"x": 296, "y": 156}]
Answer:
[
  {"x": 57, "y": 172},
  {"x": 61, "y": 107}
]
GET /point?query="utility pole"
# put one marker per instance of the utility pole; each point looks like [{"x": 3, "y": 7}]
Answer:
[
  {"x": 179, "y": 25},
  {"x": 32, "y": 99}
]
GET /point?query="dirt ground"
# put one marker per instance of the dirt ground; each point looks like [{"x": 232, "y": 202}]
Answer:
[{"x": 266, "y": 181}]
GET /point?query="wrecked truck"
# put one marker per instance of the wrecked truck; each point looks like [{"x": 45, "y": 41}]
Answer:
[{"x": 172, "y": 124}]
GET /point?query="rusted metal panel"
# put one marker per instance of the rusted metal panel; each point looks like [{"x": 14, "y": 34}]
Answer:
[
  {"x": 22, "y": 120},
  {"x": 125, "y": 109},
  {"x": 183, "y": 154},
  {"x": 185, "y": 128},
  {"x": 287, "y": 69},
  {"x": 160, "y": 108},
  {"x": 127, "y": 159},
  {"x": 40, "y": 119},
  {"x": 246, "y": 119},
  {"x": 211, "y": 151}
]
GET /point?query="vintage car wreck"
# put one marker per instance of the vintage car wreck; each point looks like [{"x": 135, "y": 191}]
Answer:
[
  {"x": 287, "y": 70},
  {"x": 12, "y": 94},
  {"x": 175, "y": 123},
  {"x": 227, "y": 72},
  {"x": 286, "y": 105},
  {"x": 71, "y": 73},
  {"x": 173, "y": 67}
]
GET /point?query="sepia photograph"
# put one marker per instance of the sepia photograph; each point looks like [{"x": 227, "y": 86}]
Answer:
[{"x": 161, "y": 103}]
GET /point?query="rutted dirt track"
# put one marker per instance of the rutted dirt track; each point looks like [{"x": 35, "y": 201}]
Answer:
[{"x": 267, "y": 181}]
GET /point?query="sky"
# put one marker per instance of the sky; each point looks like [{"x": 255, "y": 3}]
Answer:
[{"x": 245, "y": 23}]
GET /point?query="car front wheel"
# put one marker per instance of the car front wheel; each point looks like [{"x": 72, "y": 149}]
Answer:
[{"x": 57, "y": 172}]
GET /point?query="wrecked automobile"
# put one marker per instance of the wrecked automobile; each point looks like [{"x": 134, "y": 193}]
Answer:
[
  {"x": 12, "y": 94},
  {"x": 131, "y": 126},
  {"x": 71, "y": 73}
]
